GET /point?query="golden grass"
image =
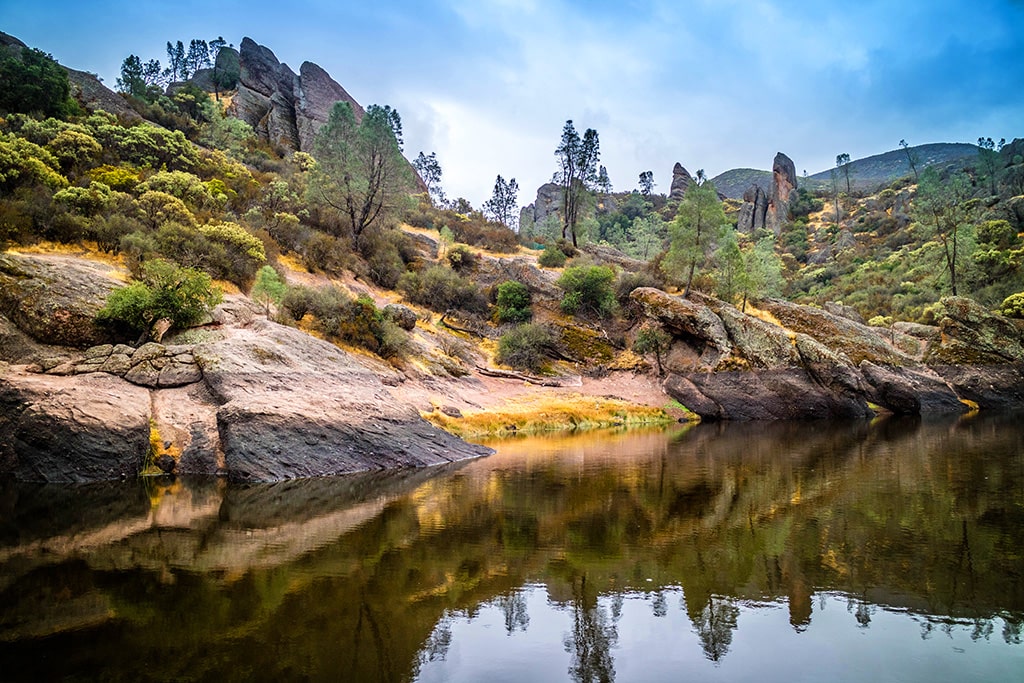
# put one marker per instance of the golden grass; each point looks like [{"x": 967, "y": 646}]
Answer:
[
  {"x": 549, "y": 413},
  {"x": 291, "y": 262}
]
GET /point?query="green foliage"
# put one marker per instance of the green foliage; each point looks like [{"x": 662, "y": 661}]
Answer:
[
  {"x": 1013, "y": 306},
  {"x": 352, "y": 321},
  {"x": 441, "y": 289},
  {"x": 514, "y": 302},
  {"x": 461, "y": 258},
  {"x": 187, "y": 187},
  {"x": 158, "y": 208},
  {"x": 552, "y": 257},
  {"x": 121, "y": 178},
  {"x": 588, "y": 290},
  {"x": 948, "y": 212},
  {"x": 525, "y": 347},
  {"x": 87, "y": 201},
  {"x": 361, "y": 172},
  {"x": 165, "y": 290},
  {"x": 269, "y": 288},
  {"x": 627, "y": 282},
  {"x": 652, "y": 340},
  {"x": 23, "y": 162},
  {"x": 33, "y": 83},
  {"x": 699, "y": 222},
  {"x": 74, "y": 149}
]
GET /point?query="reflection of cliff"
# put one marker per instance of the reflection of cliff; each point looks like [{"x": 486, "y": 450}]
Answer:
[{"x": 358, "y": 574}]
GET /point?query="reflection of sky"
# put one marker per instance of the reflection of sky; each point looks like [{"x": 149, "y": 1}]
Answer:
[
  {"x": 892, "y": 646},
  {"x": 487, "y": 84}
]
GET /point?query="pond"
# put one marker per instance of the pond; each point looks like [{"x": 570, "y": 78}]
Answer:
[{"x": 890, "y": 550}]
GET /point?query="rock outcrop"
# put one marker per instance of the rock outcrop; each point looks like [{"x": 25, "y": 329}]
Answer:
[
  {"x": 284, "y": 108},
  {"x": 753, "y": 211},
  {"x": 261, "y": 402},
  {"x": 72, "y": 429},
  {"x": 681, "y": 179},
  {"x": 784, "y": 183},
  {"x": 54, "y": 299},
  {"x": 769, "y": 209},
  {"x": 547, "y": 203},
  {"x": 724, "y": 364}
]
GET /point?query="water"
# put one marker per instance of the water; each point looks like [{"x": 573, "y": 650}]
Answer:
[{"x": 886, "y": 551}]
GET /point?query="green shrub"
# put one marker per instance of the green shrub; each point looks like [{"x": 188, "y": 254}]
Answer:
[
  {"x": 461, "y": 258},
  {"x": 165, "y": 290},
  {"x": 513, "y": 302},
  {"x": 627, "y": 282},
  {"x": 525, "y": 347},
  {"x": 1013, "y": 306},
  {"x": 298, "y": 301},
  {"x": 653, "y": 340},
  {"x": 588, "y": 290},
  {"x": 552, "y": 257},
  {"x": 441, "y": 289}
]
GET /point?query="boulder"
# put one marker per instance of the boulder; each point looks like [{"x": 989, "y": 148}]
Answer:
[
  {"x": 693, "y": 322},
  {"x": 295, "y": 406},
  {"x": 403, "y": 316},
  {"x": 72, "y": 429},
  {"x": 848, "y": 312},
  {"x": 55, "y": 299}
]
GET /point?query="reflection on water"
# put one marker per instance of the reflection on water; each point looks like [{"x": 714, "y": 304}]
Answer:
[{"x": 849, "y": 551}]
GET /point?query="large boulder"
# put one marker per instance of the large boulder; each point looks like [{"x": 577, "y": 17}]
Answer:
[
  {"x": 54, "y": 299},
  {"x": 315, "y": 95},
  {"x": 72, "y": 429},
  {"x": 295, "y": 406},
  {"x": 971, "y": 335}
]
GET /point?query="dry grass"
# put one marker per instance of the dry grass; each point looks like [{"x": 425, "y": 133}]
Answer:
[{"x": 549, "y": 413}]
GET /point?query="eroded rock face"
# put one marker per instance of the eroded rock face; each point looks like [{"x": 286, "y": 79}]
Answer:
[
  {"x": 72, "y": 429},
  {"x": 283, "y": 108},
  {"x": 294, "y": 406},
  {"x": 54, "y": 299}
]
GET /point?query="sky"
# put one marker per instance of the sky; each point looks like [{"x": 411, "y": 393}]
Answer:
[{"x": 713, "y": 84}]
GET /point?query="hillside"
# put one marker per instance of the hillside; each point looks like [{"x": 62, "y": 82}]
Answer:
[
  {"x": 881, "y": 169},
  {"x": 867, "y": 174},
  {"x": 734, "y": 182}
]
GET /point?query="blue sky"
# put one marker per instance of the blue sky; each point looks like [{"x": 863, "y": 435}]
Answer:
[{"x": 715, "y": 84}]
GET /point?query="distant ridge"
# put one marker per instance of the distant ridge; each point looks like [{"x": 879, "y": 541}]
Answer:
[{"x": 866, "y": 174}]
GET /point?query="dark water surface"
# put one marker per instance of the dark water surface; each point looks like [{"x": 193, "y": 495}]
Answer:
[{"x": 886, "y": 551}]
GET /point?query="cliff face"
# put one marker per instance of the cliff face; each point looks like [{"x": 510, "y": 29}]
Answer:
[{"x": 284, "y": 108}]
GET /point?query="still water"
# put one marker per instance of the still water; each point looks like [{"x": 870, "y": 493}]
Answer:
[{"x": 885, "y": 551}]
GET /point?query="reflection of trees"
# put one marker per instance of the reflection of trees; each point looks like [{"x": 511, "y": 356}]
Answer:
[
  {"x": 513, "y": 606},
  {"x": 592, "y": 639},
  {"x": 715, "y": 625}
]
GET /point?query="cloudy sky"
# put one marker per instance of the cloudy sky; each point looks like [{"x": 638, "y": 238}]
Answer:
[{"x": 713, "y": 84}]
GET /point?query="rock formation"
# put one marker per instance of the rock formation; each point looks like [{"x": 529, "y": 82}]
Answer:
[
  {"x": 815, "y": 363},
  {"x": 681, "y": 179},
  {"x": 283, "y": 108},
  {"x": 783, "y": 185},
  {"x": 547, "y": 203},
  {"x": 769, "y": 209},
  {"x": 752, "y": 212}
]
